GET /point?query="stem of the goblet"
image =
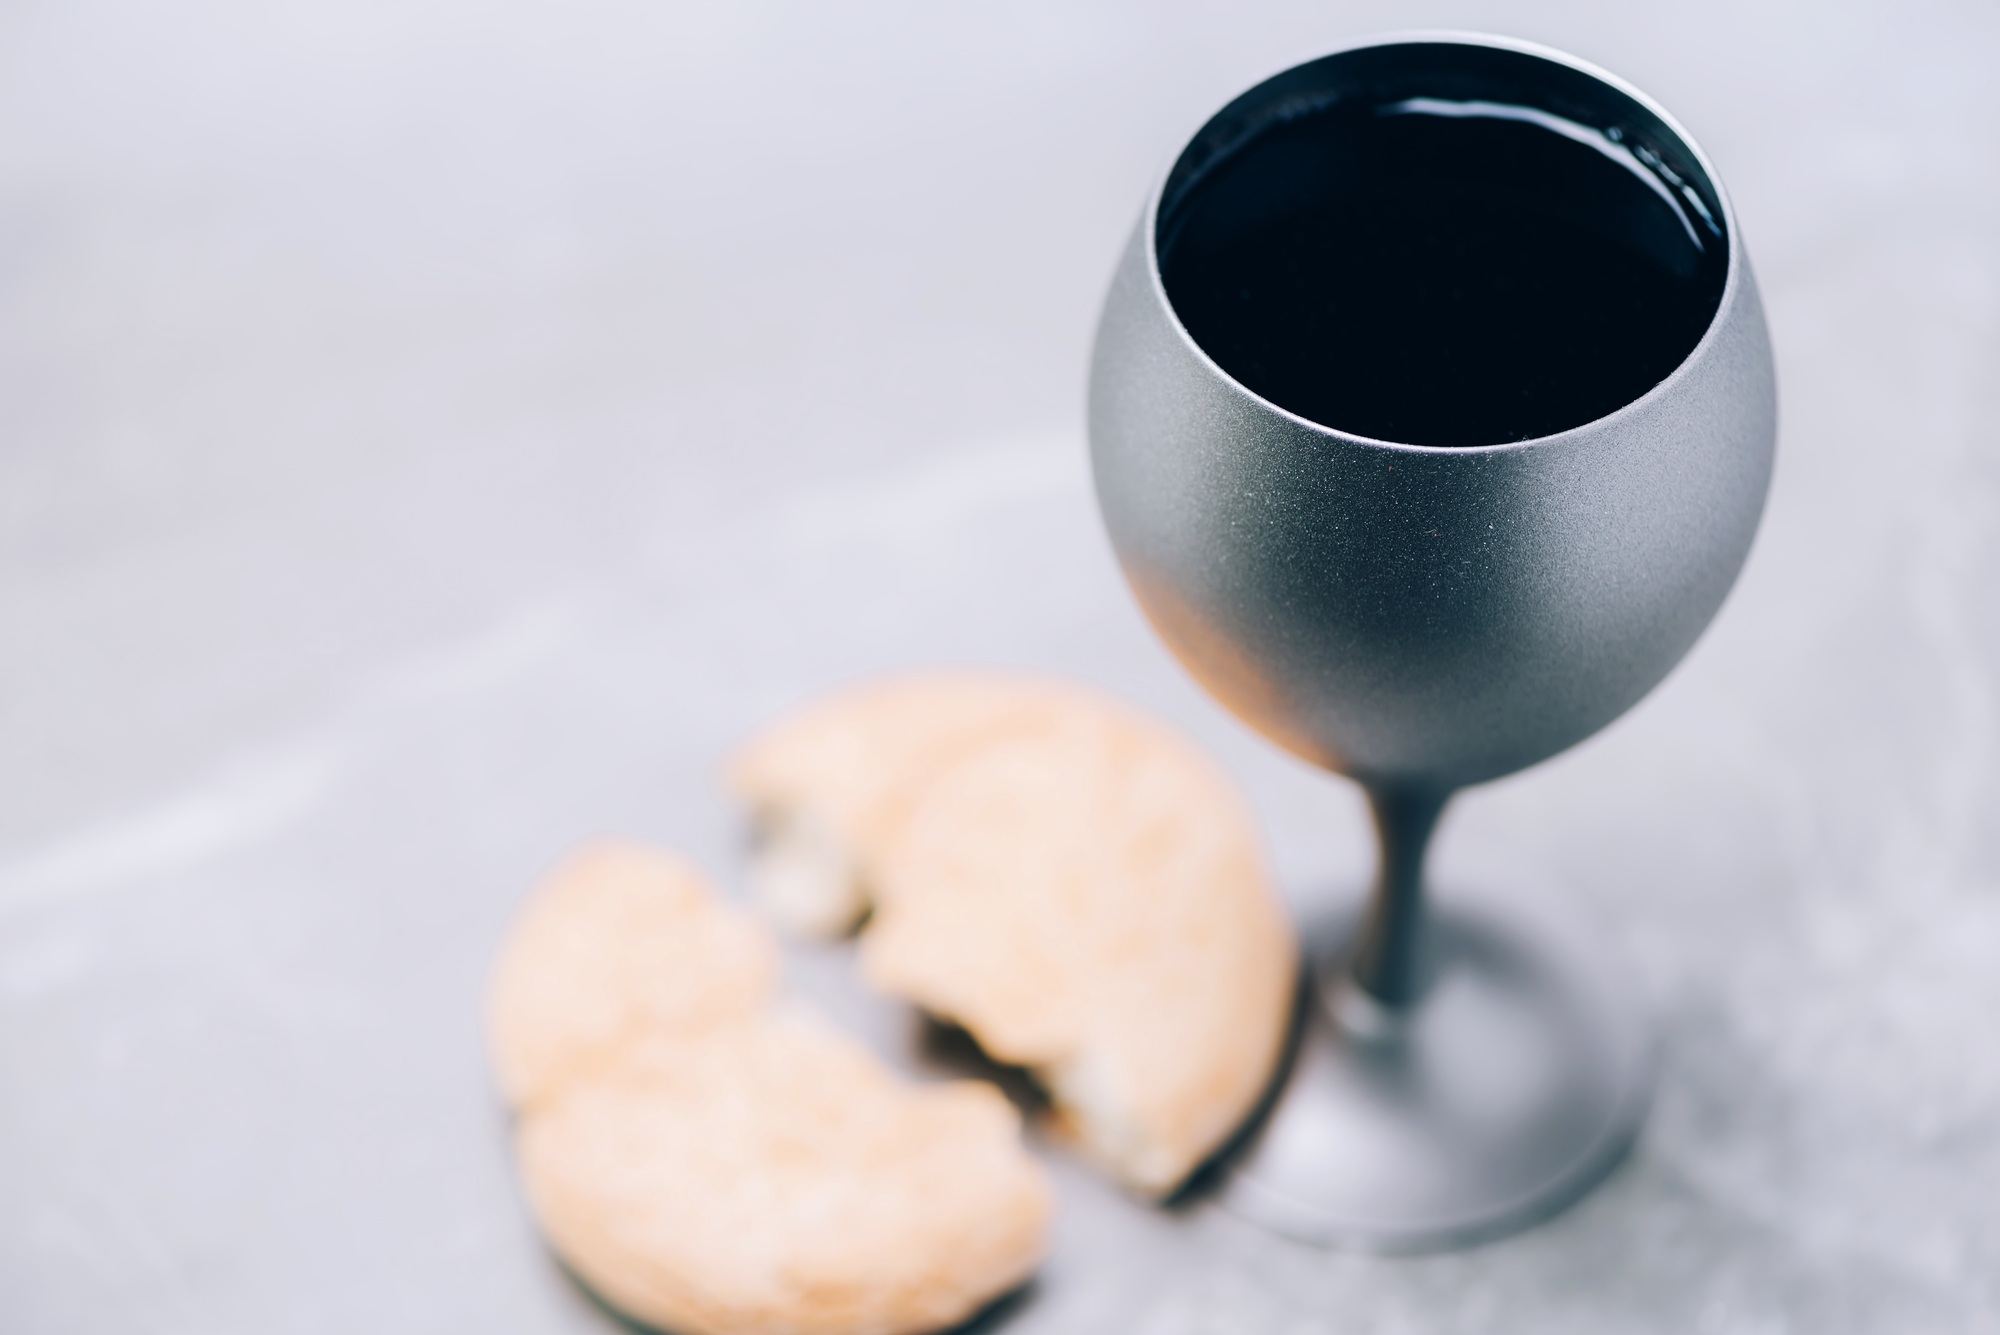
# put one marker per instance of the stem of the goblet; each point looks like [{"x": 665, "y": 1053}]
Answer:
[{"x": 1389, "y": 963}]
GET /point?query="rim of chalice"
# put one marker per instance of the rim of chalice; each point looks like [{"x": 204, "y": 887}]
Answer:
[{"x": 1732, "y": 280}]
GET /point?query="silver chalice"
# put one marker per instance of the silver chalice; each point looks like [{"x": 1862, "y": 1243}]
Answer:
[{"x": 1431, "y": 418}]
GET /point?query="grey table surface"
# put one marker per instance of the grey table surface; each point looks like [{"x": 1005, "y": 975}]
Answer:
[{"x": 431, "y": 433}]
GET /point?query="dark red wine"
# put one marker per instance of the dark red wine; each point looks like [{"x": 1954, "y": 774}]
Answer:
[{"x": 1437, "y": 272}]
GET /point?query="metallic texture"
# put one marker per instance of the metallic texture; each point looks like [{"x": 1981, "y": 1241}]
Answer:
[
  {"x": 1389, "y": 960},
  {"x": 1510, "y": 1092},
  {"x": 1421, "y": 619},
  {"x": 1413, "y": 615}
]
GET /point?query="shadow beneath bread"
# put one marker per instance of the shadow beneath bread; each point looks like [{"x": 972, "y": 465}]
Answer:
[
  {"x": 1202, "y": 1185},
  {"x": 953, "y": 1051},
  {"x": 986, "y": 1321},
  {"x": 997, "y": 1313}
]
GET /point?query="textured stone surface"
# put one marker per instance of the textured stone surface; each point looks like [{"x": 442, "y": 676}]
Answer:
[{"x": 429, "y": 433}]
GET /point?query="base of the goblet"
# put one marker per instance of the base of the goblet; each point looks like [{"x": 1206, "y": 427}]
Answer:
[{"x": 1504, "y": 1095}]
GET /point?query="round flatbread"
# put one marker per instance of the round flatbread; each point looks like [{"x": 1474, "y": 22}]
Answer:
[
  {"x": 714, "y": 1163},
  {"x": 1082, "y": 890}
]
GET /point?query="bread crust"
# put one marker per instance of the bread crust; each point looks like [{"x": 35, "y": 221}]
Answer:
[
  {"x": 618, "y": 944},
  {"x": 830, "y": 784}
]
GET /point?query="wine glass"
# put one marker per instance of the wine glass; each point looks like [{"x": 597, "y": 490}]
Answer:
[{"x": 1431, "y": 419}]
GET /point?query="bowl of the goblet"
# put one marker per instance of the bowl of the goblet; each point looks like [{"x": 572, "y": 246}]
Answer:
[{"x": 1456, "y": 605}]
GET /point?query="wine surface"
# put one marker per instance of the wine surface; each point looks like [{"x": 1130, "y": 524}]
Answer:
[{"x": 1444, "y": 273}]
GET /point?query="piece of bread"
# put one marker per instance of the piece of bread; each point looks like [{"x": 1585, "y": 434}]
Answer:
[
  {"x": 714, "y": 1163},
  {"x": 826, "y": 787},
  {"x": 1073, "y": 883},
  {"x": 620, "y": 943}
]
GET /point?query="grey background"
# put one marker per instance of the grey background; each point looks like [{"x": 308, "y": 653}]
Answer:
[{"x": 431, "y": 432}]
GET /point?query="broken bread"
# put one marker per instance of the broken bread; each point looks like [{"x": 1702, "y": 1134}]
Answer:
[
  {"x": 1073, "y": 883},
  {"x": 827, "y": 787},
  {"x": 715, "y": 1162},
  {"x": 621, "y": 944}
]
